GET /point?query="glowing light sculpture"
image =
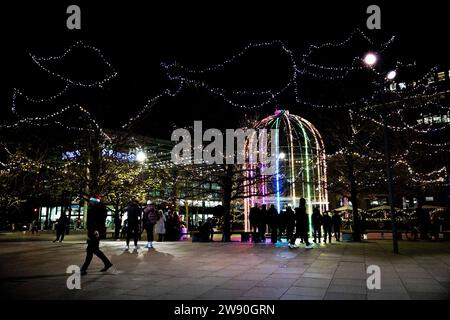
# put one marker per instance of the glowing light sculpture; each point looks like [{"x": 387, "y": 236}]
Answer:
[{"x": 301, "y": 169}]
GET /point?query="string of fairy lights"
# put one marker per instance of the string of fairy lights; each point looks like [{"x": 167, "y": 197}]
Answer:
[
  {"x": 17, "y": 93},
  {"x": 421, "y": 91},
  {"x": 68, "y": 83},
  {"x": 219, "y": 91},
  {"x": 418, "y": 177},
  {"x": 405, "y": 126},
  {"x": 230, "y": 96},
  {"x": 372, "y": 154},
  {"x": 151, "y": 102},
  {"x": 40, "y": 120},
  {"x": 40, "y": 62}
]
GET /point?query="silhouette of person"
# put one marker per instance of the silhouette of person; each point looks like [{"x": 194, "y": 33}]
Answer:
[{"x": 96, "y": 218}]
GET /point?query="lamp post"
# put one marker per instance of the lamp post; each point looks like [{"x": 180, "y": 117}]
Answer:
[
  {"x": 370, "y": 60},
  {"x": 141, "y": 156}
]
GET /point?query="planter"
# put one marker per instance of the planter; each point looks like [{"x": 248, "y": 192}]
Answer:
[
  {"x": 347, "y": 236},
  {"x": 245, "y": 236},
  {"x": 196, "y": 237}
]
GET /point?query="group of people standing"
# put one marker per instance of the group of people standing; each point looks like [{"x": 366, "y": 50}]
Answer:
[
  {"x": 149, "y": 217},
  {"x": 152, "y": 220},
  {"x": 293, "y": 223},
  {"x": 426, "y": 225},
  {"x": 328, "y": 223}
]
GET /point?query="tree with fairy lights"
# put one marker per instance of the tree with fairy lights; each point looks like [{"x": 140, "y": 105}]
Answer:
[
  {"x": 362, "y": 104},
  {"x": 76, "y": 162}
]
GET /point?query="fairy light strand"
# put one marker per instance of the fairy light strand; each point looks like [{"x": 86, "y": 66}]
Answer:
[{"x": 80, "y": 44}]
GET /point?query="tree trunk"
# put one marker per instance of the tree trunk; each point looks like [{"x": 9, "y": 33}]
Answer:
[
  {"x": 94, "y": 168},
  {"x": 68, "y": 218},
  {"x": 354, "y": 200},
  {"x": 355, "y": 215},
  {"x": 175, "y": 190},
  {"x": 227, "y": 190}
]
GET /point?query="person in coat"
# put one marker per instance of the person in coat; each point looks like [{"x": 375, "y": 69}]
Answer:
[
  {"x": 161, "y": 226},
  {"x": 150, "y": 219},
  {"x": 134, "y": 213},
  {"x": 301, "y": 226},
  {"x": 326, "y": 223},
  {"x": 272, "y": 222},
  {"x": 253, "y": 218},
  {"x": 317, "y": 224},
  {"x": 61, "y": 228},
  {"x": 262, "y": 223},
  {"x": 290, "y": 225},
  {"x": 281, "y": 224},
  {"x": 96, "y": 218},
  {"x": 117, "y": 225},
  {"x": 337, "y": 222}
]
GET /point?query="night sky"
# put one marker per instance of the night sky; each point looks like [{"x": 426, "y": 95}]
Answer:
[{"x": 136, "y": 38}]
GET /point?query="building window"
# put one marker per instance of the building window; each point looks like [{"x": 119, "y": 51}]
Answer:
[{"x": 441, "y": 76}]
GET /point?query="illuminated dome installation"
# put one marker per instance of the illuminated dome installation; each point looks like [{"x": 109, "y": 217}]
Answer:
[{"x": 300, "y": 170}]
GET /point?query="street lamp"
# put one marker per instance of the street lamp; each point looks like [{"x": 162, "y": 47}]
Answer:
[
  {"x": 391, "y": 75},
  {"x": 370, "y": 59},
  {"x": 141, "y": 156}
]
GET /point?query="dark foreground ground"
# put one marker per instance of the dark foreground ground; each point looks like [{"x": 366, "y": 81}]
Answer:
[{"x": 186, "y": 270}]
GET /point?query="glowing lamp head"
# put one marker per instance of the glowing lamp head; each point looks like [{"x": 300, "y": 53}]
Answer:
[
  {"x": 281, "y": 156},
  {"x": 391, "y": 75},
  {"x": 141, "y": 156},
  {"x": 370, "y": 59}
]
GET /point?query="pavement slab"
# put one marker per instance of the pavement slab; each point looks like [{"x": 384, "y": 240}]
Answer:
[{"x": 36, "y": 269}]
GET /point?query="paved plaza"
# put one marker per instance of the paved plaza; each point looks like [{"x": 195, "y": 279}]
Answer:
[{"x": 193, "y": 271}]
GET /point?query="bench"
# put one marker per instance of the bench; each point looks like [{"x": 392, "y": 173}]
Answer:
[
  {"x": 402, "y": 234},
  {"x": 347, "y": 235},
  {"x": 245, "y": 236}
]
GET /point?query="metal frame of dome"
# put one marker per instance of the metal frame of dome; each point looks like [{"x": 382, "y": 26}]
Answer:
[{"x": 301, "y": 168}]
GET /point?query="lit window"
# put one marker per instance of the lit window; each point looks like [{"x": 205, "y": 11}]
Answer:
[{"x": 441, "y": 76}]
